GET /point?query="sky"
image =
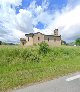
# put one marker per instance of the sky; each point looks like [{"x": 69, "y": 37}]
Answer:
[{"x": 18, "y": 17}]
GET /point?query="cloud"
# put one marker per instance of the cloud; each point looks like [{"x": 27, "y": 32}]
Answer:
[
  {"x": 24, "y": 21},
  {"x": 67, "y": 21},
  {"x": 10, "y": 2},
  {"x": 39, "y": 12},
  {"x": 13, "y": 26}
]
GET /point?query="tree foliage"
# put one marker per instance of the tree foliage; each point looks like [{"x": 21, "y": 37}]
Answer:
[
  {"x": 63, "y": 42},
  {"x": 0, "y": 42},
  {"x": 78, "y": 41}
]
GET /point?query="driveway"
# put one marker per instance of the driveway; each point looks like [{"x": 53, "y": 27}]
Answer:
[{"x": 69, "y": 83}]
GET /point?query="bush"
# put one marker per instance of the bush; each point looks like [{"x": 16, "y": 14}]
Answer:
[{"x": 43, "y": 48}]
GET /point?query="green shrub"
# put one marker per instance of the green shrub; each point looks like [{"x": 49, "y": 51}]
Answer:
[{"x": 43, "y": 48}]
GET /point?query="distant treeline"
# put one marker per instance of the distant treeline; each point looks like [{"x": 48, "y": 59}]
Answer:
[{"x": 5, "y": 43}]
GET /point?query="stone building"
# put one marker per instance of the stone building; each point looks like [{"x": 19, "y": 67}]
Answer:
[{"x": 36, "y": 38}]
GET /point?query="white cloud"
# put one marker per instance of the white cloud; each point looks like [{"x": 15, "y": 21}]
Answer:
[
  {"x": 67, "y": 21},
  {"x": 13, "y": 26},
  {"x": 38, "y": 9},
  {"x": 44, "y": 18},
  {"x": 39, "y": 12},
  {"x": 24, "y": 21},
  {"x": 9, "y": 2}
]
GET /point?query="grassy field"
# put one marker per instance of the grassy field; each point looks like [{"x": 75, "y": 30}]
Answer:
[{"x": 22, "y": 66}]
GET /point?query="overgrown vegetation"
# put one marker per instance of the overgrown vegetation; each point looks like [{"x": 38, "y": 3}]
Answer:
[
  {"x": 43, "y": 48},
  {"x": 22, "y": 66}
]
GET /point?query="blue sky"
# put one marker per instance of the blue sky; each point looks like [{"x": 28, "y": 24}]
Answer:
[
  {"x": 53, "y": 4},
  {"x": 18, "y": 17}
]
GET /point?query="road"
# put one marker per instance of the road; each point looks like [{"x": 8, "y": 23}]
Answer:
[{"x": 57, "y": 85}]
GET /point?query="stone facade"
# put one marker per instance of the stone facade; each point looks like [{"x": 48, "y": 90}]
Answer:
[{"x": 36, "y": 38}]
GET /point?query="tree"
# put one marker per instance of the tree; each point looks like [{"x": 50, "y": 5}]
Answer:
[
  {"x": 78, "y": 41},
  {"x": 0, "y": 42},
  {"x": 63, "y": 42}
]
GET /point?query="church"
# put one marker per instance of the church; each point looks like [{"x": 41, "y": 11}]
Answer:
[{"x": 36, "y": 38}]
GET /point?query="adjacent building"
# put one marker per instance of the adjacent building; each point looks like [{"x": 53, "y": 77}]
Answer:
[{"x": 36, "y": 38}]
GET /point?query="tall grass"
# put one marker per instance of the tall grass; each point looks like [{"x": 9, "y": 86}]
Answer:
[{"x": 22, "y": 66}]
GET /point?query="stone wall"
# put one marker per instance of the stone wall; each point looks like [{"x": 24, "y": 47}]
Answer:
[
  {"x": 53, "y": 40},
  {"x": 57, "y": 40},
  {"x": 38, "y": 38},
  {"x": 29, "y": 40}
]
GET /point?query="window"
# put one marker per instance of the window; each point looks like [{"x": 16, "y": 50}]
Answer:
[
  {"x": 48, "y": 39},
  {"x": 38, "y": 38},
  {"x": 28, "y": 38}
]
